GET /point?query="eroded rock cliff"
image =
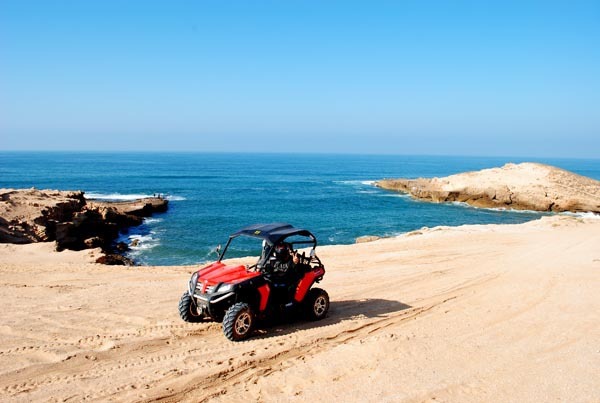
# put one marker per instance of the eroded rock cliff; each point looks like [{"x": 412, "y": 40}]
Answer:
[{"x": 31, "y": 215}]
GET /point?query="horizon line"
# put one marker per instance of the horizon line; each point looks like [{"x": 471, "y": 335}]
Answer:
[{"x": 324, "y": 153}]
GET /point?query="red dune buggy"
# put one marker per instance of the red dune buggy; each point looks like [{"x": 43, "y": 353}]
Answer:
[{"x": 239, "y": 295}]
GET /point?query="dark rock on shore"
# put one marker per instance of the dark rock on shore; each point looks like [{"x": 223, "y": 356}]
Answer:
[
  {"x": 114, "y": 259},
  {"x": 66, "y": 217}
]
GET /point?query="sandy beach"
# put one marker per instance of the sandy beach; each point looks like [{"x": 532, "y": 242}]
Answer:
[
  {"x": 443, "y": 163},
  {"x": 473, "y": 313}
]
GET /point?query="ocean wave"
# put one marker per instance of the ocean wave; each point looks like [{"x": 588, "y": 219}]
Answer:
[
  {"x": 115, "y": 196},
  {"x": 588, "y": 214},
  {"x": 152, "y": 220},
  {"x": 400, "y": 195},
  {"x": 127, "y": 197},
  {"x": 142, "y": 242},
  {"x": 174, "y": 198},
  {"x": 500, "y": 209},
  {"x": 140, "y": 238},
  {"x": 355, "y": 182},
  {"x": 361, "y": 186}
]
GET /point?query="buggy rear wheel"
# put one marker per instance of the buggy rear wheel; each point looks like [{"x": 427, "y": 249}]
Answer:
[
  {"x": 238, "y": 322},
  {"x": 316, "y": 304},
  {"x": 188, "y": 310}
]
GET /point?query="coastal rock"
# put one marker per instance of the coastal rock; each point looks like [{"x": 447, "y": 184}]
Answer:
[
  {"x": 31, "y": 215},
  {"x": 525, "y": 186},
  {"x": 93, "y": 242},
  {"x": 366, "y": 238},
  {"x": 122, "y": 247},
  {"x": 113, "y": 259},
  {"x": 136, "y": 208}
]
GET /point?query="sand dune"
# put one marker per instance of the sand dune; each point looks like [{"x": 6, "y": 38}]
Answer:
[{"x": 473, "y": 313}]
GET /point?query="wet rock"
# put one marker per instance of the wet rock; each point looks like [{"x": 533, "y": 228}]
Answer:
[
  {"x": 113, "y": 259},
  {"x": 93, "y": 242},
  {"x": 122, "y": 247}
]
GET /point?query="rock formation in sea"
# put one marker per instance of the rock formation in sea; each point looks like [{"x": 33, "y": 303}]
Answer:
[
  {"x": 366, "y": 238},
  {"x": 525, "y": 186},
  {"x": 66, "y": 217}
]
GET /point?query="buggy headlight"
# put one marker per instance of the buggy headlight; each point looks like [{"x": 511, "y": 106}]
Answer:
[{"x": 225, "y": 287}]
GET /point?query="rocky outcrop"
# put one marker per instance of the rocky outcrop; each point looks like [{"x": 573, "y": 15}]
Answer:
[
  {"x": 66, "y": 217},
  {"x": 525, "y": 186},
  {"x": 367, "y": 238},
  {"x": 139, "y": 208},
  {"x": 34, "y": 215}
]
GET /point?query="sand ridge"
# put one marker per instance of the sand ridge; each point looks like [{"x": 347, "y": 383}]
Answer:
[{"x": 470, "y": 313}]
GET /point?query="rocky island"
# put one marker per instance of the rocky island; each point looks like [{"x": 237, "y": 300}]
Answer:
[
  {"x": 69, "y": 219},
  {"x": 525, "y": 186}
]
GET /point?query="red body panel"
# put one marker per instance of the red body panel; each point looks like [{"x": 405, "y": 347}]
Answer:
[
  {"x": 218, "y": 272},
  {"x": 306, "y": 282},
  {"x": 264, "y": 292}
]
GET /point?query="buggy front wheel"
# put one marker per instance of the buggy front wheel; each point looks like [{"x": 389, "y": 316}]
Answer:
[
  {"x": 188, "y": 309},
  {"x": 238, "y": 322}
]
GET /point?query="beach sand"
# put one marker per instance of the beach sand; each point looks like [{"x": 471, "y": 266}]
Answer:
[{"x": 473, "y": 313}]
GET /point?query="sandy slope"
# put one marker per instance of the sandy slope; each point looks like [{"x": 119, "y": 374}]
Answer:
[{"x": 474, "y": 313}]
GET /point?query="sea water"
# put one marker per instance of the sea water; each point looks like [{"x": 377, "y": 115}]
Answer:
[{"x": 213, "y": 194}]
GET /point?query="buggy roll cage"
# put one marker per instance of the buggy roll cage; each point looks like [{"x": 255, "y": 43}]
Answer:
[{"x": 272, "y": 234}]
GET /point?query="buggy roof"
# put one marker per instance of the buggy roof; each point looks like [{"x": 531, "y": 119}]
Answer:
[{"x": 274, "y": 232}]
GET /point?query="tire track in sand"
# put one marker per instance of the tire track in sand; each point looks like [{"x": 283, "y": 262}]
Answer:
[
  {"x": 80, "y": 364},
  {"x": 100, "y": 339},
  {"x": 229, "y": 371},
  {"x": 204, "y": 389}
]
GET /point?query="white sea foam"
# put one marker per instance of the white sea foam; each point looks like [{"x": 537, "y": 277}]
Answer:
[
  {"x": 114, "y": 196},
  {"x": 127, "y": 197},
  {"x": 140, "y": 238},
  {"x": 501, "y": 209},
  {"x": 588, "y": 214},
  {"x": 400, "y": 195},
  {"x": 355, "y": 182},
  {"x": 152, "y": 220},
  {"x": 144, "y": 242},
  {"x": 361, "y": 185}
]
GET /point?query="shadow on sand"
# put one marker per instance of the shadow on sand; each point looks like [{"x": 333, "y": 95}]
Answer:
[{"x": 338, "y": 311}]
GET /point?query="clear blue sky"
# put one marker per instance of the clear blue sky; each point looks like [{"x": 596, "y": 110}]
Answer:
[{"x": 403, "y": 77}]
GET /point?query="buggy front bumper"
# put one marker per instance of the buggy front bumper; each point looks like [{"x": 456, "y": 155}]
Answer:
[{"x": 212, "y": 301}]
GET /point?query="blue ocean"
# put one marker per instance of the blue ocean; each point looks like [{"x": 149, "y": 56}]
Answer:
[{"x": 213, "y": 194}]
